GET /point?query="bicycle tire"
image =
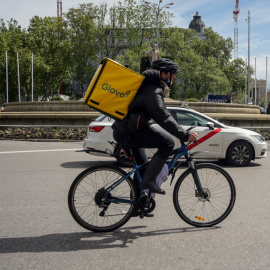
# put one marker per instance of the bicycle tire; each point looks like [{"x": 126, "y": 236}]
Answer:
[
  {"x": 201, "y": 212},
  {"x": 82, "y": 198}
]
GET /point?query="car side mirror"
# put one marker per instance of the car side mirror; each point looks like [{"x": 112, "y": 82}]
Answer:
[{"x": 211, "y": 125}]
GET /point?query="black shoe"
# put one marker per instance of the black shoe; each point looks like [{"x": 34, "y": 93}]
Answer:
[{"x": 153, "y": 188}]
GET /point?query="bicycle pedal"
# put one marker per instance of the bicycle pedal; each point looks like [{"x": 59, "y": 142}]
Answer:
[
  {"x": 102, "y": 213},
  {"x": 149, "y": 215}
]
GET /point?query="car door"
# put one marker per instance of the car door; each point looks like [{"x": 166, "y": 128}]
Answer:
[{"x": 213, "y": 145}]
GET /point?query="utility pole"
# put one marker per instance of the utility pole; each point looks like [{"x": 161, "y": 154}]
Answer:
[
  {"x": 32, "y": 68},
  {"x": 157, "y": 11},
  {"x": 255, "y": 99},
  {"x": 7, "y": 76},
  {"x": 235, "y": 17},
  {"x": 246, "y": 83},
  {"x": 19, "y": 84},
  {"x": 59, "y": 8},
  {"x": 248, "y": 20},
  {"x": 266, "y": 87}
]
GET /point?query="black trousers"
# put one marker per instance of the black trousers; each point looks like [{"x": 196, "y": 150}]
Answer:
[{"x": 147, "y": 137}]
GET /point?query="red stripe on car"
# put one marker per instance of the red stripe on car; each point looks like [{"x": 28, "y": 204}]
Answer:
[{"x": 204, "y": 138}]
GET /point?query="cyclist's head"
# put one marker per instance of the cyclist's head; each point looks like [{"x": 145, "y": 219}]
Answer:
[{"x": 165, "y": 65}]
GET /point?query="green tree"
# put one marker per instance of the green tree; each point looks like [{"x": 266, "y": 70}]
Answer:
[
  {"x": 110, "y": 35},
  {"x": 15, "y": 40},
  {"x": 83, "y": 43},
  {"x": 201, "y": 62},
  {"x": 51, "y": 46},
  {"x": 126, "y": 27},
  {"x": 216, "y": 46},
  {"x": 235, "y": 72}
]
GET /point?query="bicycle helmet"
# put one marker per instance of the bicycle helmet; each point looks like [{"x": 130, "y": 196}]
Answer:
[{"x": 165, "y": 64}]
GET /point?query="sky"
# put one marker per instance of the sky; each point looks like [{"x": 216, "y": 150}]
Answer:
[{"x": 217, "y": 14}]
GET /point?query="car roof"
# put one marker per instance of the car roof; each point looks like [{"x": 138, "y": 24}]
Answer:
[{"x": 185, "y": 108}]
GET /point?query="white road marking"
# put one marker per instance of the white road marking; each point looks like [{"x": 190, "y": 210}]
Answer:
[{"x": 39, "y": 151}]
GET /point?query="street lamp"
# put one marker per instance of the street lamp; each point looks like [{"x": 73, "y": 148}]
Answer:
[{"x": 158, "y": 9}]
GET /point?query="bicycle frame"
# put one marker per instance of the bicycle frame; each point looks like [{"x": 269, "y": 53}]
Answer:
[
  {"x": 118, "y": 182},
  {"x": 178, "y": 153}
]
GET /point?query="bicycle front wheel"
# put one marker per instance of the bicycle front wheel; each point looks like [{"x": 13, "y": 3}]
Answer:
[
  {"x": 215, "y": 206},
  {"x": 86, "y": 198}
]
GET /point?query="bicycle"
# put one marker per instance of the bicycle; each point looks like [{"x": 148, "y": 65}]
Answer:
[{"x": 103, "y": 198}]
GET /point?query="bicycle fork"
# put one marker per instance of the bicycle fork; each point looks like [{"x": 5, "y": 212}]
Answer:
[{"x": 199, "y": 192}]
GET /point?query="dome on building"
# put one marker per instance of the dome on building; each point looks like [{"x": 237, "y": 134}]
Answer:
[{"x": 197, "y": 24}]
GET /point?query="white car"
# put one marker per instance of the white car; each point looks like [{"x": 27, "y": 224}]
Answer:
[{"x": 236, "y": 145}]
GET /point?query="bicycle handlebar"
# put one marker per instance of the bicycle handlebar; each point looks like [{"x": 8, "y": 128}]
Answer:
[{"x": 191, "y": 127}]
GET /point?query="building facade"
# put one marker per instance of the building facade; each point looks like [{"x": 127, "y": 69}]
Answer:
[{"x": 260, "y": 91}]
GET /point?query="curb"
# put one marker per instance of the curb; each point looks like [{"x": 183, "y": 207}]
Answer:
[{"x": 40, "y": 140}]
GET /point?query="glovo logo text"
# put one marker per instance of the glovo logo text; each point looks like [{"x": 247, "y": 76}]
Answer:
[{"x": 110, "y": 89}]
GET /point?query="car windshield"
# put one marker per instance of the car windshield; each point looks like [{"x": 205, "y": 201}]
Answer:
[{"x": 186, "y": 118}]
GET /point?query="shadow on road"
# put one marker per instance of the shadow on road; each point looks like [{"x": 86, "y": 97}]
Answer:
[
  {"x": 85, "y": 240},
  {"x": 85, "y": 164}
]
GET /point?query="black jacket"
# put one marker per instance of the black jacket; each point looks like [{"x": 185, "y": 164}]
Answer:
[{"x": 149, "y": 104}]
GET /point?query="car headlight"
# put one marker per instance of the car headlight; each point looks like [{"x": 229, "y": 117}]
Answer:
[{"x": 260, "y": 138}]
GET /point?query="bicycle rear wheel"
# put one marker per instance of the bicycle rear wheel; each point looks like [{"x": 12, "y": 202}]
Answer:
[
  {"x": 86, "y": 193},
  {"x": 204, "y": 212}
]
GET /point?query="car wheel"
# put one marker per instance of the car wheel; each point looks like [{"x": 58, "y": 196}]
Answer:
[
  {"x": 239, "y": 154},
  {"x": 122, "y": 157}
]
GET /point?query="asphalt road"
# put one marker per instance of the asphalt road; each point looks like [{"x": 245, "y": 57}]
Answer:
[{"x": 38, "y": 232}]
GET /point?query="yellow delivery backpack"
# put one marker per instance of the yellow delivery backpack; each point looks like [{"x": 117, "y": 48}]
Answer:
[{"x": 112, "y": 89}]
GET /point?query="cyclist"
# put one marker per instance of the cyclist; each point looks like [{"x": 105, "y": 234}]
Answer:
[{"x": 136, "y": 131}]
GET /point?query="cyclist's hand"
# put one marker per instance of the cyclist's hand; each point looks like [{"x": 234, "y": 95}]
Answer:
[{"x": 192, "y": 137}]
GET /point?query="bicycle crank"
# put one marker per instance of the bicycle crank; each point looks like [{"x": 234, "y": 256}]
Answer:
[{"x": 146, "y": 205}]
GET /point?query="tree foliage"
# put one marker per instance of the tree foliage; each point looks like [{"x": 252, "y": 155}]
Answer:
[
  {"x": 70, "y": 48},
  {"x": 202, "y": 62},
  {"x": 52, "y": 46},
  {"x": 235, "y": 72},
  {"x": 13, "y": 39},
  {"x": 83, "y": 52}
]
